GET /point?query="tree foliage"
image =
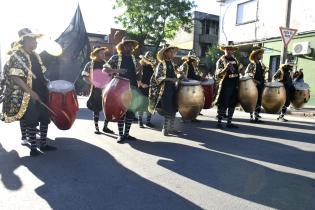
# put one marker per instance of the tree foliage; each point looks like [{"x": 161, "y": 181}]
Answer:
[{"x": 155, "y": 21}]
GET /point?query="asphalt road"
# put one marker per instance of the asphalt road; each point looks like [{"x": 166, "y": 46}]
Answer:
[{"x": 258, "y": 166}]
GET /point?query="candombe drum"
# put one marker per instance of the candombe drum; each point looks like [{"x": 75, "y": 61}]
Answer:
[
  {"x": 99, "y": 78},
  {"x": 301, "y": 94},
  {"x": 273, "y": 97},
  {"x": 247, "y": 94},
  {"x": 63, "y": 103},
  {"x": 208, "y": 91},
  {"x": 116, "y": 98},
  {"x": 190, "y": 99}
]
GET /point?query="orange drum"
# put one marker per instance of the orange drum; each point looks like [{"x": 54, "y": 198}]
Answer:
[
  {"x": 116, "y": 98},
  {"x": 63, "y": 102},
  {"x": 208, "y": 90},
  {"x": 100, "y": 78}
]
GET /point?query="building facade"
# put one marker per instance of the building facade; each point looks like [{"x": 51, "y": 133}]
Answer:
[
  {"x": 247, "y": 22},
  {"x": 204, "y": 34}
]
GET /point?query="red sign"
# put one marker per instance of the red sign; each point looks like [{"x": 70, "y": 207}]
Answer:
[{"x": 287, "y": 34}]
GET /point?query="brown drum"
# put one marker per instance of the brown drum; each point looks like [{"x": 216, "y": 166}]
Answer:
[
  {"x": 208, "y": 91},
  {"x": 190, "y": 99},
  {"x": 116, "y": 98},
  {"x": 273, "y": 97},
  {"x": 248, "y": 94},
  {"x": 301, "y": 94}
]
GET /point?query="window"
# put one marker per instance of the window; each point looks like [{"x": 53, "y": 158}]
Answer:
[
  {"x": 273, "y": 65},
  {"x": 246, "y": 12}
]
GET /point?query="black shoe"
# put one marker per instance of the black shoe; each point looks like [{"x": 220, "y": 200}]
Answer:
[
  {"x": 97, "y": 132},
  {"x": 257, "y": 120},
  {"x": 219, "y": 125},
  {"x": 282, "y": 119},
  {"x": 34, "y": 152},
  {"x": 231, "y": 125},
  {"x": 48, "y": 148},
  {"x": 174, "y": 131},
  {"x": 257, "y": 116},
  {"x": 149, "y": 125},
  {"x": 252, "y": 120},
  {"x": 195, "y": 121},
  {"x": 165, "y": 132},
  {"x": 131, "y": 138},
  {"x": 120, "y": 139},
  {"x": 107, "y": 130},
  {"x": 200, "y": 114},
  {"x": 141, "y": 124}
]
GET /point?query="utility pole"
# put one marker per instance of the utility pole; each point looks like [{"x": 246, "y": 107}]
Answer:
[{"x": 284, "y": 50}]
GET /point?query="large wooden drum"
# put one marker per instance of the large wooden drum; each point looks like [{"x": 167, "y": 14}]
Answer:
[
  {"x": 301, "y": 94},
  {"x": 208, "y": 91},
  {"x": 248, "y": 94},
  {"x": 190, "y": 98},
  {"x": 273, "y": 97},
  {"x": 116, "y": 98},
  {"x": 63, "y": 102}
]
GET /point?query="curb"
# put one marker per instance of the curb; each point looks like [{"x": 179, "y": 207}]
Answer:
[{"x": 302, "y": 113}]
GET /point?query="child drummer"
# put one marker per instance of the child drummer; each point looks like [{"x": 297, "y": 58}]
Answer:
[{"x": 94, "y": 102}]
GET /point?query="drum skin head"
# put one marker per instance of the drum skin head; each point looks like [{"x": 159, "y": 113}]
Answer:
[
  {"x": 60, "y": 86},
  {"x": 99, "y": 78}
]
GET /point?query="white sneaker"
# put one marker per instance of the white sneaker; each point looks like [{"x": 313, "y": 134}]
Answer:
[{"x": 24, "y": 142}]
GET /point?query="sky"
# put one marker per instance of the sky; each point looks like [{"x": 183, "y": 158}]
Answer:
[{"x": 52, "y": 17}]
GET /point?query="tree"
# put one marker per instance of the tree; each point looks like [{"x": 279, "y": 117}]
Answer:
[{"x": 155, "y": 21}]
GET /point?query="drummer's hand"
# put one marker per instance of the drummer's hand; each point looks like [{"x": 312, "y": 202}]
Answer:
[
  {"x": 144, "y": 85},
  {"x": 34, "y": 96}
]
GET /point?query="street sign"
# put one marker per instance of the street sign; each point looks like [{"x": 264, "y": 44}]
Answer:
[{"x": 287, "y": 34}]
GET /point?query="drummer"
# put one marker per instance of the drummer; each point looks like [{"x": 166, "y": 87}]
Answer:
[
  {"x": 257, "y": 71},
  {"x": 284, "y": 75},
  {"x": 163, "y": 89},
  {"x": 94, "y": 102},
  {"x": 148, "y": 63},
  {"x": 227, "y": 73},
  {"x": 125, "y": 63},
  {"x": 28, "y": 90},
  {"x": 298, "y": 76},
  {"x": 189, "y": 70}
]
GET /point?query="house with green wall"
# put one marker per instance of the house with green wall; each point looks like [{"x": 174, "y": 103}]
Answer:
[{"x": 248, "y": 22}]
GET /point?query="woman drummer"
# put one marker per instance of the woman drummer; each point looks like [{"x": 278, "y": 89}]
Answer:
[
  {"x": 148, "y": 65},
  {"x": 163, "y": 89},
  {"x": 94, "y": 102},
  {"x": 284, "y": 76},
  {"x": 257, "y": 71}
]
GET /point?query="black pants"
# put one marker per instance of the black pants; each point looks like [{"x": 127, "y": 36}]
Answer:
[{"x": 227, "y": 102}]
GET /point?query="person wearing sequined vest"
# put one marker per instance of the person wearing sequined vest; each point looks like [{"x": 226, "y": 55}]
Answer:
[
  {"x": 94, "y": 102},
  {"x": 163, "y": 89},
  {"x": 125, "y": 64},
  {"x": 227, "y": 73},
  {"x": 27, "y": 85},
  {"x": 148, "y": 63},
  {"x": 284, "y": 75},
  {"x": 257, "y": 71}
]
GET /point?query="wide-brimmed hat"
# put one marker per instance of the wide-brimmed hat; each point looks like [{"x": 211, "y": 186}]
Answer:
[
  {"x": 230, "y": 45},
  {"x": 160, "y": 55},
  {"x": 287, "y": 63},
  {"x": 96, "y": 49},
  {"x": 148, "y": 57},
  {"x": 125, "y": 41},
  {"x": 26, "y": 32},
  {"x": 254, "y": 53},
  {"x": 191, "y": 56}
]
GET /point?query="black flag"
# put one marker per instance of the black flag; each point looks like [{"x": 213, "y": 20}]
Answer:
[{"x": 76, "y": 50}]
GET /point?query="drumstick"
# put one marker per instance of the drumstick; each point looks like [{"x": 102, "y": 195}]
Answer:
[{"x": 49, "y": 109}]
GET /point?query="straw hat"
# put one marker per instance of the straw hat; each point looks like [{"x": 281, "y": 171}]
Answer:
[
  {"x": 148, "y": 57},
  {"x": 287, "y": 63},
  {"x": 254, "y": 53},
  {"x": 125, "y": 41},
  {"x": 26, "y": 32},
  {"x": 161, "y": 54},
  {"x": 230, "y": 45},
  {"x": 191, "y": 56},
  {"x": 96, "y": 49}
]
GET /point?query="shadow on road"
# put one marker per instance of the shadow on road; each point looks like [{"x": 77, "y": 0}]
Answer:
[{"x": 82, "y": 176}]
